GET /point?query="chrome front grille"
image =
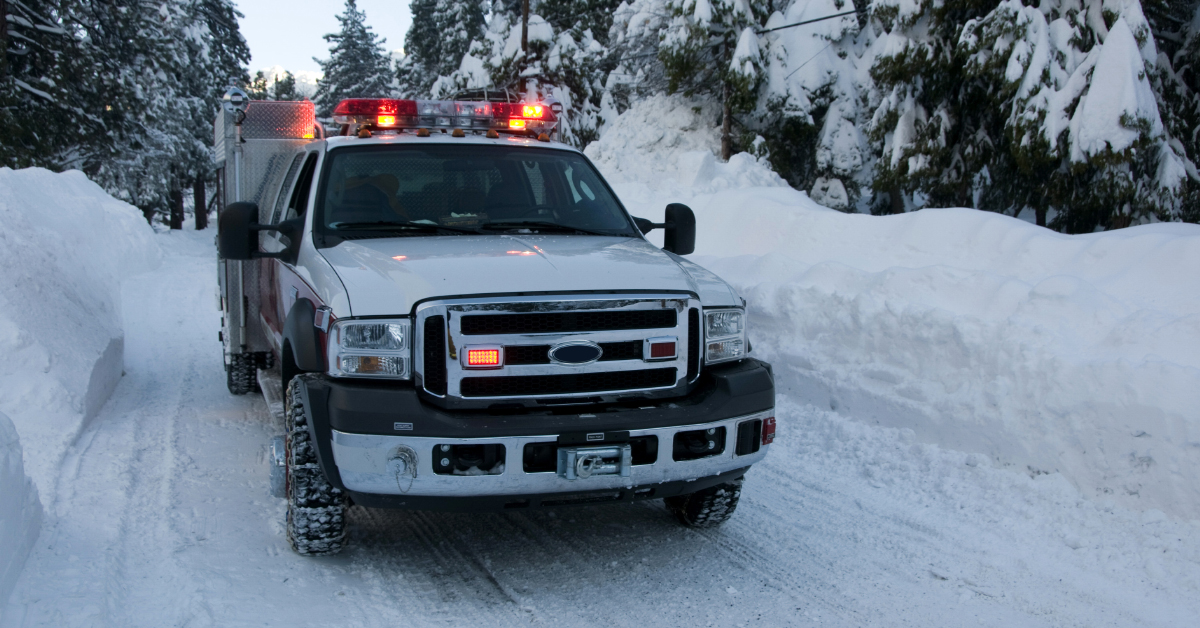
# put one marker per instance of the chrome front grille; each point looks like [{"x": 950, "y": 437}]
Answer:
[{"x": 528, "y": 330}]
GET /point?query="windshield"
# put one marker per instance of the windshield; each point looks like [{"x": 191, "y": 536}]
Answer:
[{"x": 467, "y": 189}]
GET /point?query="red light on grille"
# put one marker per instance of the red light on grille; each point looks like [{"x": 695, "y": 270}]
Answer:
[
  {"x": 768, "y": 431},
  {"x": 662, "y": 350},
  {"x": 483, "y": 357}
]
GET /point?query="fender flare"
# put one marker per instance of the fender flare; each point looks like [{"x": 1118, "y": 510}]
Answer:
[{"x": 301, "y": 335}]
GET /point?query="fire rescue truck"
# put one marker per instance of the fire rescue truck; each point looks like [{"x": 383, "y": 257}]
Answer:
[{"x": 451, "y": 310}]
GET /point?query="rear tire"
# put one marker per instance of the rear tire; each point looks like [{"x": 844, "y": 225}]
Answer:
[
  {"x": 241, "y": 374},
  {"x": 707, "y": 508},
  {"x": 316, "y": 513}
]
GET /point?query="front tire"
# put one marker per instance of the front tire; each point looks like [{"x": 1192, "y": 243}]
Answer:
[
  {"x": 316, "y": 513},
  {"x": 707, "y": 508}
]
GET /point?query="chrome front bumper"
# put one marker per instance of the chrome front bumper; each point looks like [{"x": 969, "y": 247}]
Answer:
[{"x": 400, "y": 465}]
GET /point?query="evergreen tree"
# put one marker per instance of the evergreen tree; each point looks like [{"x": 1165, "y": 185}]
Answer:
[
  {"x": 439, "y": 38},
  {"x": 578, "y": 16},
  {"x": 934, "y": 129},
  {"x": 34, "y": 45},
  {"x": 284, "y": 88},
  {"x": 257, "y": 88},
  {"x": 1176, "y": 28},
  {"x": 357, "y": 66},
  {"x": 1082, "y": 122},
  {"x": 710, "y": 47},
  {"x": 811, "y": 113}
]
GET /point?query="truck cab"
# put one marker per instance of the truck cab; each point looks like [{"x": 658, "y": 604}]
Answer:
[{"x": 460, "y": 315}]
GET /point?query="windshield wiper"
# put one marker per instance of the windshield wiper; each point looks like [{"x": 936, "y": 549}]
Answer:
[
  {"x": 540, "y": 225},
  {"x": 391, "y": 225}
]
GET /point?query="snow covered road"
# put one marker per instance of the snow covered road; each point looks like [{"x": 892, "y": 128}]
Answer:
[{"x": 161, "y": 517}]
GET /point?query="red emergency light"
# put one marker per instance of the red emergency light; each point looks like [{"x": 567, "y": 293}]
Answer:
[
  {"x": 483, "y": 357},
  {"x": 392, "y": 113}
]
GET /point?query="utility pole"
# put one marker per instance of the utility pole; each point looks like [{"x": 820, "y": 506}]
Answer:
[{"x": 524, "y": 41}]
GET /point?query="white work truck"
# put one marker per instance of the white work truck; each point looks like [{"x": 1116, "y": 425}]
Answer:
[{"x": 459, "y": 314}]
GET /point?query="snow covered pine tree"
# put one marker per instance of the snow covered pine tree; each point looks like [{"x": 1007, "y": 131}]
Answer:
[
  {"x": 439, "y": 38},
  {"x": 710, "y": 47},
  {"x": 565, "y": 65},
  {"x": 1081, "y": 113},
  {"x": 357, "y": 66}
]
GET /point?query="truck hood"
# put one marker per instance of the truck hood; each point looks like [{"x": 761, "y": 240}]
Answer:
[{"x": 388, "y": 276}]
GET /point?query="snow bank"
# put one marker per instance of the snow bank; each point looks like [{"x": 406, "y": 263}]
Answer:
[
  {"x": 981, "y": 333},
  {"x": 65, "y": 245},
  {"x": 20, "y": 510}
]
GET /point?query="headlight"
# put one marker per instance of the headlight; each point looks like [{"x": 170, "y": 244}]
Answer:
[
  {"x": 724, "y": 335},
  {"x": 371, "y": 348}
]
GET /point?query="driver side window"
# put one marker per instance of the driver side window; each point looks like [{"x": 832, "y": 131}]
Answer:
[
  {"x": 282, "y": 197},
  {"x": 299, "y": 200}
]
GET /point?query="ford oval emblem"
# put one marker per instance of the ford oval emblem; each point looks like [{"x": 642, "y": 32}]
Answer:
[{"x": 575, "y": 353}]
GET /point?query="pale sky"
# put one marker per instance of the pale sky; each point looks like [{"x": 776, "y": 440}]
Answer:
[{"x": 289, "y": 33}]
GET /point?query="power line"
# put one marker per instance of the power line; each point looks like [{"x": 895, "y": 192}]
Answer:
[{"x": 809, "y": 22}]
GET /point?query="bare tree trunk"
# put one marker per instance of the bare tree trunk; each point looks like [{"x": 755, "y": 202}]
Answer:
[
  {"x": 524, "y": 41},
  {"x": 1040, "y": 213},
  {"x": 201, "y": 205},
  {"x": 726, "y": 123},
  {"x": 897, "y": 198},
  {"x": 177, "y": 208}
]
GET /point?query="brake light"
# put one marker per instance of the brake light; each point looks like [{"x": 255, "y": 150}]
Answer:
[{"x": 768, "y": 431}]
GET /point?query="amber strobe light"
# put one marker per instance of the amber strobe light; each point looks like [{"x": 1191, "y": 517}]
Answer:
[
  {"x": 532, "y": 111},
  {"x": 483, "y": 358},
  {"x": 386, "y": 120}
]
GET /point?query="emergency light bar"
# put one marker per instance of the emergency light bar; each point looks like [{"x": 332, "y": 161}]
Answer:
[{"x": 389, "y": 113}]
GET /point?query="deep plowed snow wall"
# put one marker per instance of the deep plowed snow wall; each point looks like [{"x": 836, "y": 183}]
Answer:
[
  {"x": 980, "y": 332},
  {"x": 20, "y": 510},
  {"x": 65, "y": 247}
]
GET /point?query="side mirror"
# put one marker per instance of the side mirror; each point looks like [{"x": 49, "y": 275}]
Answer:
[
  {"x": 680, "y": 238},
  {"x": 237, "y": 234}
]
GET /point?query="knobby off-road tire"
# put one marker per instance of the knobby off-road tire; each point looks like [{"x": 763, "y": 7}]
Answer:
[
  {"x": 707, "y": 508},
  {"x": 241, "y": 374},
  {"x": 316, "y": 512}
]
